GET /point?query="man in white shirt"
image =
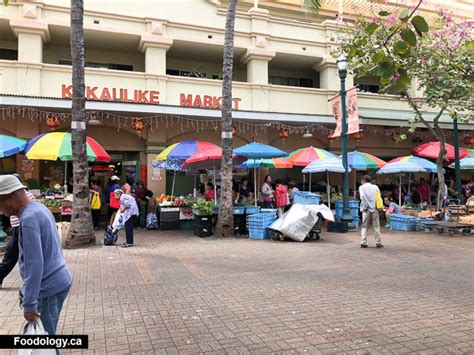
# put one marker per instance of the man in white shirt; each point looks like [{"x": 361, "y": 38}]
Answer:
[{"x": 370, "y": 214}]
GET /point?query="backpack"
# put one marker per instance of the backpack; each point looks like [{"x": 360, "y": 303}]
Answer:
[
  {"x": 151, "y": 221},
  {"x": 95, "y": 201},
  {"x": 110, "y": 236}
]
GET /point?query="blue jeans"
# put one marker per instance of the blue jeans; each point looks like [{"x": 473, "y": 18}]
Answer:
[{"x": 50, "y": 310}]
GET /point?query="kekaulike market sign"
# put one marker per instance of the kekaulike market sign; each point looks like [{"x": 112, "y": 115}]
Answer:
[{"x": 94, "y": 93}]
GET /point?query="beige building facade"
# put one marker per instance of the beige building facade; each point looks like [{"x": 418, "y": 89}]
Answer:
[{"x": 161, "y": 61}]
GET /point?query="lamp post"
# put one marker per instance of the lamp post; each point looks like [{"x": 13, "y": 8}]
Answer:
[{"x": 342, "y": 63}]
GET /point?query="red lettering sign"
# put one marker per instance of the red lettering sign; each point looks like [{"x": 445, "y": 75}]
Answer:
[
  {"x": 186, "y": 100},
  {"x": 66, "y": 91},
  {"x": 90, "y": 93},
  {"x": 155, "y": 97}
]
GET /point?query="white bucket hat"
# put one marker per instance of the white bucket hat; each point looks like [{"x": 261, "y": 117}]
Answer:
[
  {"x": 114, "y": 178},
  {"x": 10, "y": 184}
]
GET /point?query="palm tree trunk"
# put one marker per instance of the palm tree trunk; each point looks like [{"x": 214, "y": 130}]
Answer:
[
  {"x": 225, "y": 221},
  {"x": 82, "y": 231}
]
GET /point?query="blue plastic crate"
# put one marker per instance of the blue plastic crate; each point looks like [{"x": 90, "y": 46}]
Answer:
[
  {"x": 259, "y": 233},
  {"x": 400, "y": 222},
  {"x": 238, "y": 210},
  {"x": 252, "y": 209},
  {"x": 260, "y": 220},
  {"x": 353, "y": 208},
  {"x": 306, "y": 198},
  {"x": 355, "y": 221},
  {"x": 272, "y": 211}
]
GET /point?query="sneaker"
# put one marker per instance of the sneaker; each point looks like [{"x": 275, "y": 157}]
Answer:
[
  {"x": 379, "y": 245},
  {"x": 364, "y": 246},
  {"x": 126, "y": 245}
]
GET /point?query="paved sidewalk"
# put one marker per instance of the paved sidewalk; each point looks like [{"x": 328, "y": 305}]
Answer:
[{"x": 175, "y": 293}]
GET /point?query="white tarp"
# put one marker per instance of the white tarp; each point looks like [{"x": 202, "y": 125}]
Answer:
[{"x": 300, "y": 219}]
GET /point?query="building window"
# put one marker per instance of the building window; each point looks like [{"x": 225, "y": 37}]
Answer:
[
  {"x": 369, "y": 88},
  {"x": 285, "y": 81},
  {"x": 111, "y": 66},
  {"x": 8, "y": 54},
  {"x": 188, "y": 73}
]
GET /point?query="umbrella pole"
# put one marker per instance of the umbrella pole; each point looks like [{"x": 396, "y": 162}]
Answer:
[
  {"x": 194, "y": 190},
  {"x": 255, "y": 182},
  {"x": 355, "y": 183},
  {"x": 65, "y": 178},
  {"x": 304, "y": 182},
  {"x": 409, "y": 182},
  {"x": 174, "y": 179},
  {"x": 309, "y": 187},
  {"x": 329, "y": 190},
  {"x": 400, "y": 191}
]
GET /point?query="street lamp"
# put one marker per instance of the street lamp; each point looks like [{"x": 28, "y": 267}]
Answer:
[{"x": 342, "y": 64}]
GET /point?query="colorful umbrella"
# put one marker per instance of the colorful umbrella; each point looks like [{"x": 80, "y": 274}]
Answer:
[
  {"x": 275, "y": 163},
  {"x": 173, "y": 165},
  {"x": 431, "y": 150},
  {"x": 426, "y": 164},
  {"x": 10, "y": 145},
  {"x": 470, "y": 151},
  {"x": 399, "y": 167},
  {"x": 57, "y": 145},
  {"x": 364, "y": 161},
  {"x": 466, "y": 163},
  {"x": 183, "y": 150},
  {"x": 257, "y": 151},
  {"x": 305, "y": 156},
  {"x": 328, "y": 165}
]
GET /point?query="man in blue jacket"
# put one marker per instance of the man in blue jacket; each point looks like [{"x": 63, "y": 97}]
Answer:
[{"x": 46, "y": 277}]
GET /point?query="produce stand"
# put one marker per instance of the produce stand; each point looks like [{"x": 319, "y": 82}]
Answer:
[
  {"x": 56, "y": 202},
  {"x": 174, "y": 213}
]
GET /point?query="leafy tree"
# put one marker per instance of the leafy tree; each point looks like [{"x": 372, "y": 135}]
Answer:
[{"x": 409, "y": 52}]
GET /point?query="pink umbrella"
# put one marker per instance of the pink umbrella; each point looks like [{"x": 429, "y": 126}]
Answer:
[
  {"x": 431, "y": 150},
  {"x": 210, "y": 159}
]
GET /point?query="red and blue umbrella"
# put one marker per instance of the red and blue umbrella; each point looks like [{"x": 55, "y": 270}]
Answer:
[
  {"x": 364, "y": 161},
  {"x": 184, "y": 150},
  {"x": 10, "y": 145}
]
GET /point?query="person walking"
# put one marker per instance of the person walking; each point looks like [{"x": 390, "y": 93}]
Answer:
[
  {"x": 46, "y": 277},
  {"x": 128, "y": 211},
  {"x": 281, "y": 197},
  {"x": 370, "y": 215},
  {"x": 10, "y": 257},
  {"x": 96, "y": 205},
  {"x": 267, "y": 192}
]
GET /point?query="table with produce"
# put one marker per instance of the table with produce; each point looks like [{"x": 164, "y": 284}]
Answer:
[
  {"x": 175, "y": 213},
  {"x": 55, "y": 200}
]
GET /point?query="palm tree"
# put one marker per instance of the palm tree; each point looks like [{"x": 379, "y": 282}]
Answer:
[
  {"x": 82, "y": 231},
  {"x": 225, "y": 221},
  {"x": 312, "y": 6}
]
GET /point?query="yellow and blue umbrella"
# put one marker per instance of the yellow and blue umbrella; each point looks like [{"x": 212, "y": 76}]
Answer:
[{"x": 10, "y": 145}]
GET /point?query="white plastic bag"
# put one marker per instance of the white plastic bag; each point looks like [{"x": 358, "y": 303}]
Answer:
[{"x": 35, "y": 328}]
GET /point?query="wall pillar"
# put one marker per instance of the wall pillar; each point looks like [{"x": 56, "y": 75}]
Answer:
[{"x": 156, "y": 142}]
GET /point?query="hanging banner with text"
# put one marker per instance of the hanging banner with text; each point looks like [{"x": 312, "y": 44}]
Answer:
[{"x": 352, "y": 112}]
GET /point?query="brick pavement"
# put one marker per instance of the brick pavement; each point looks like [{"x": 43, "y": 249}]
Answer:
[{"x": 175, "y": 293}]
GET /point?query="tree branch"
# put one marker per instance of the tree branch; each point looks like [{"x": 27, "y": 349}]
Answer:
[{"x": 418, "y": 114}]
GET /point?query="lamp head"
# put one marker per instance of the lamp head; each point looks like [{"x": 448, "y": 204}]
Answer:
[{"x": 342, "y": 62}]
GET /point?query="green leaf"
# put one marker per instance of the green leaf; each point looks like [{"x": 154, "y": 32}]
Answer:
[
  {"x": 400, "y": 47},
  {"x": 409, "y": 37},
  {"x": 352, "y": 53},
  {"x": 5, "y": 2},
  {"x": 404, "y": 15},
  {"x": 377, "y": 57},
  {"x": 312, "y": 6},
  {"x": 403, "y": 79},
  {"x": 384, "y": 13},
  {"x": 420, "y": 24},
  {"x": 371, "y": 27},
  {"x": 470, "y": 44},
  {"x": 386, "y": 70}
]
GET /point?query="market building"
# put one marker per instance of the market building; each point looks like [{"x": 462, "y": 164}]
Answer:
[{"x": 153, "y": 74}]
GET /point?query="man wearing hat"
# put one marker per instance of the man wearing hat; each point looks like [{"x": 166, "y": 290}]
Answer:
[
  {"x": 46, "y": 277},
  {"x": 10, "y": 257}
]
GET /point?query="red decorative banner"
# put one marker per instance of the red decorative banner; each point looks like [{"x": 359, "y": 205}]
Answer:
[
  {"x": 352, "y": 111},
  {"x": 337, "y": 112}
]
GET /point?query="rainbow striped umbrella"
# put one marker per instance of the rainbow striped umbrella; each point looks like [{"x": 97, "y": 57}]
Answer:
[
  {"x": 305, "y": 156},
  {"x": 425, "y": 164},
  {"x": 275, "y": 163},
  {"x": 57, "y": 145},
  {"x": 470, "y": 151},
  {"x": 364, "y": 161},
  {"x": 10, "y": 145},
  {"x": 184, "y": 150}
]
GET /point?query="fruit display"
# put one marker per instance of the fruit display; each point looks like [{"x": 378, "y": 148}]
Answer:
[
  {"x": 179, "y": 202},
  {"x": 50, "y": 203},
  {"x": 165, "y": 200}
]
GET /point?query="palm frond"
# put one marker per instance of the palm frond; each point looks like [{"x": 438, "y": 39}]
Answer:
[{"x": 312, "y": 6}]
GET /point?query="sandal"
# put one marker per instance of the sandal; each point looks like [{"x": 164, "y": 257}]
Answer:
[{"x": 126, "y": 245}]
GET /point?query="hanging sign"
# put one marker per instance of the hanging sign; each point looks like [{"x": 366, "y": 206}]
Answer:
[{"x": 352, "y": 111}]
